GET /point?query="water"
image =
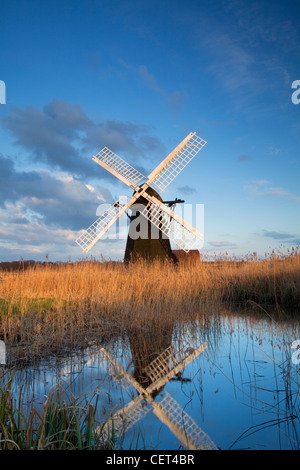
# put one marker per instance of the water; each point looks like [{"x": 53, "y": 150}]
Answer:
[{"x": 227, "y": 381}]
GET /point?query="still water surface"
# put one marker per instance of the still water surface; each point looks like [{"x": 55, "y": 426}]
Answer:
[{"x": 227, "y": 381}]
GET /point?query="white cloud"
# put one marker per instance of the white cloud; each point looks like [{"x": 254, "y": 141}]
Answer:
[
  {"x": 221, "y": 244},
  {"x": 264, "y": 188}
]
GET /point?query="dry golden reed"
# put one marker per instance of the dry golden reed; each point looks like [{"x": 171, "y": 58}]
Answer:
[{"x": 59, "y": 305}]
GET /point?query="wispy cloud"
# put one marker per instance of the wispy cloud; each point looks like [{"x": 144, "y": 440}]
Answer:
[
  {"x": 264, "y": 188},
  {"x": 221, "y": 244},
  {"x": 247, "y": 49},
  {"x": 244, "y": 158},
  {"x": 284, "y": 237},
  {"x": 231, "y": 62},
  {"x": 174, "y": 100},
  {"x": 274, "y": 192},
  {"x": 149, "y": 80},
  {"x": 278, "y": 235},
  {"x": 186, "y": 190},
  {"x": 263, "y": 22}
]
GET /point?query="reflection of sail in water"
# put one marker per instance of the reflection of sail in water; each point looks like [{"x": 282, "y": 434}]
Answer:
[{"x": 158, "y": 372}]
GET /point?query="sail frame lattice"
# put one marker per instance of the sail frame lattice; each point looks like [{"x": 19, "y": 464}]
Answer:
[
  {"x": 170, "y": 224},
  {"x": 181, "y": 158},
  {"x": 91, "y": 235},
  {"x": 117, "y": 166}
]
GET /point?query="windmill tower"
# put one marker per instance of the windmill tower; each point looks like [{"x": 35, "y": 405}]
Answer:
[
  {"x": 162, "y": 220},
  {"x": 151, "y": 242}
]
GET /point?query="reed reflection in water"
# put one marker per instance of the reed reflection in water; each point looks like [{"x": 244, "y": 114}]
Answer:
[{"x": 241, "y": 391}]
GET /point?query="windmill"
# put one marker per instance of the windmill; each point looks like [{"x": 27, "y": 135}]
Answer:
[
  {"x": 165, "y": 366},
  {"x": 162, "y": 220}
]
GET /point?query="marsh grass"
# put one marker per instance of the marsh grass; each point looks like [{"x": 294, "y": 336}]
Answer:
[
  {"x": 53, "y": 307},
  {"x": 64, "y": 423}
]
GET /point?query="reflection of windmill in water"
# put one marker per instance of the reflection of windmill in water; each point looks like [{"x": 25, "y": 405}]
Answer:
[
  {"x": 150, "y": 378},
  {"x": 146, "y": 346},
  {"x": 152, "y": 238}
]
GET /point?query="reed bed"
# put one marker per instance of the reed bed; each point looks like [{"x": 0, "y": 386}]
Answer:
[
  {"x": 56, "y": 306},
  {"x": 64, "y": 423}
]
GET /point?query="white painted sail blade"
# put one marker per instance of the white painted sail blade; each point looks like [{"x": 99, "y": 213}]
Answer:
[
  {"x": 127, "y": 416},
  {"x": 172, "y": 165},
  {"x": 170, "y": 224},
  {"x": 119, "y": 168},
  {"x": 90, "y": 236},
  {"x": 131, "y": 413},
  {"x": 182, "y": 425},
  {"x": 120, "y": 374},
  {"x": 172, "y": 360}
]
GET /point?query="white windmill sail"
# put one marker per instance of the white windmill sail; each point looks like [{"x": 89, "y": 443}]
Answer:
[
  {"x": 119, "y": 168},
  {"x": 171, "y": 224},
  {"x": 174, "y": 163},
  {"x": 127, "y": 417},
  {"x": 171, "y": 413},
  {"x": 172, "y": 360},
  {"x": 90, "y": 236}
]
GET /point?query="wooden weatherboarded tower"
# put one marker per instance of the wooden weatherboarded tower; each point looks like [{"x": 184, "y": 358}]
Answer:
[
  {"x": 146, "y": 240},
  {"x": 162, "y": 221}
]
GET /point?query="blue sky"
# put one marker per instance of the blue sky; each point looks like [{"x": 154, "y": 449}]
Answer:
[{"x": 137, "y": 77}]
